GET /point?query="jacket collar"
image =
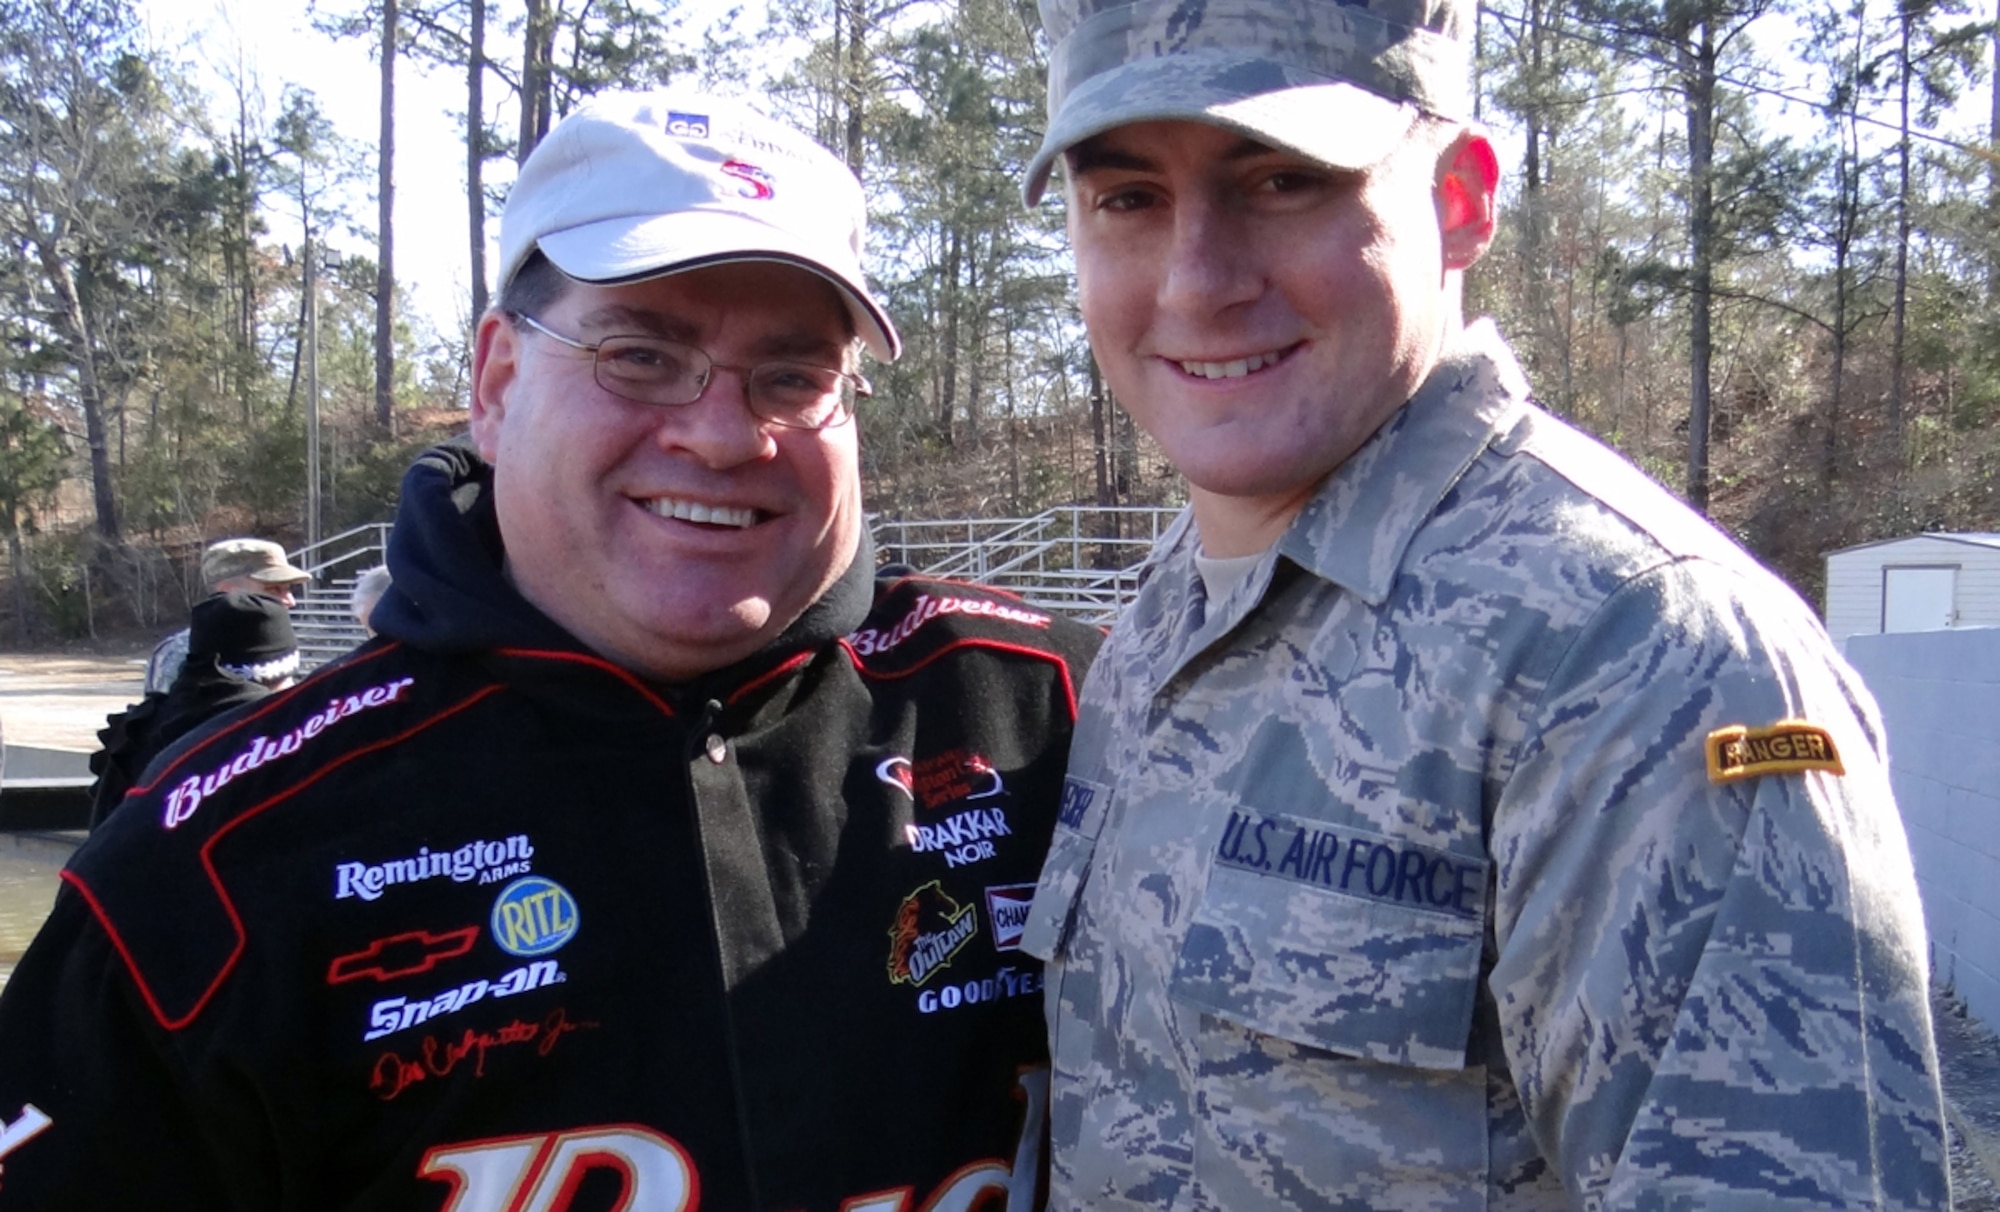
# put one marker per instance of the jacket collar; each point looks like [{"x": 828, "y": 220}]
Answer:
[{"x": 448, "y": 592}]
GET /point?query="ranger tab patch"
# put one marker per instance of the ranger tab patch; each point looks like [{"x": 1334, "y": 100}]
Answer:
[{"x": 1738, "y": 752}]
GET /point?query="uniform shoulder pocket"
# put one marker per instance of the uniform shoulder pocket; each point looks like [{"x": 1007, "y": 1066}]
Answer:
[
  {"x": 1355, "y": 943},
  {"x": 1078, "y": 822}
]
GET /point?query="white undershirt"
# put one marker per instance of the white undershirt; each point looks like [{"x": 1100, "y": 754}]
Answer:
[{"x": 1221, "y": 576}]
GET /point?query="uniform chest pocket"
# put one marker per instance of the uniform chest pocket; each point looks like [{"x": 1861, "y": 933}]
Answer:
[
  {"x": 1351, "y": 942},
  {"x": 1078, "y": 822}
]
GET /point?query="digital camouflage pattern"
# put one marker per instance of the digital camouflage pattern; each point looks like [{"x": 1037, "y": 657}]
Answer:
[
  {"x": 1337, "y": 82},
  {"x": 164, "y": 665},
  {"x": 1396, "y": 878}
]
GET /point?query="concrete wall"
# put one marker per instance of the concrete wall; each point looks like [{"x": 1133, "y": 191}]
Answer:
[{"x": 1940, "y": 697}]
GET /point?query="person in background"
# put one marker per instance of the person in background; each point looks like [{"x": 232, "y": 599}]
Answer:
[
  {"x": 1456, "y": 820},
  {"x": 655, "y": 853},
  {"x": 240, "y": 648},
  {"x": 368, "y": 590},
  {"x": 229, "y": 566}
]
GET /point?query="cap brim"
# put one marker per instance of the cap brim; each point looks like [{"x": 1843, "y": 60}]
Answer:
[
  {"x": 1336, "y": 123},
  {"x": 284, "y": 575},
  {"x": 633, "y": 249}
]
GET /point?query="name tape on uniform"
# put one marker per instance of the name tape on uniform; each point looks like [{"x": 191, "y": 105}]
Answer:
[{"x": 1324, "y": 855}]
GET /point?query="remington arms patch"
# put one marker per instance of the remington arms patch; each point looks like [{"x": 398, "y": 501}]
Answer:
[{"x": 1738, "y": 752}]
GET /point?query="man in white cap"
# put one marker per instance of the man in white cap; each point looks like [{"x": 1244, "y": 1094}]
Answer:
[
  {"x": 1456, "y": 820},
  {"x": 229, "y": 566},
  {"x": 653, "y": 853}
]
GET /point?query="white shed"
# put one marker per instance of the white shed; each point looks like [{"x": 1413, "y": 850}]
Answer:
[{"x": 1925, "y": 582}]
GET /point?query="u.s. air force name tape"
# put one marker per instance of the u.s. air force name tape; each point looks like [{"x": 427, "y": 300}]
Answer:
[{"x": 1739, "y": 752}]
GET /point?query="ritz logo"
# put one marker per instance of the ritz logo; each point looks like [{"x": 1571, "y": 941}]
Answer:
[
  {"x": 687, "y": 126},
  {"x": 533, "y": 916},
  {"x": 756, "y": 182}
]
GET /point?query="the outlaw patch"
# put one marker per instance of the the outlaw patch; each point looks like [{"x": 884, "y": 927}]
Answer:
[
  {"x": 1739, "y": 752},
  {"x": 930, "y": 929}
]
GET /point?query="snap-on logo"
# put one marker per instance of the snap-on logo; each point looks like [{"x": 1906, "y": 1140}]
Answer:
[
  {"x": 930, "y": 929},
  {"x": 534, "y": 915},
  {"x": 393, "y": 1014},
  {"x": 872, "y": 641},
  {"x": 189, "y": 794}
]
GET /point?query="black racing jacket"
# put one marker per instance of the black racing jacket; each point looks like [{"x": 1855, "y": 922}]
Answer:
[{"x": 475, "y": 920}]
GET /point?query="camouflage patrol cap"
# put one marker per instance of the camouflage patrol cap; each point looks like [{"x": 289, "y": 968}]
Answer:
[
  {"x": 1339, "y": 81},
  {"x": 258, "y": 559}
]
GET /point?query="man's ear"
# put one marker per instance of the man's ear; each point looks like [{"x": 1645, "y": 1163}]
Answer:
[
  {"x": 1468, "y": 194},
  {"x": 496, "y": 353}
]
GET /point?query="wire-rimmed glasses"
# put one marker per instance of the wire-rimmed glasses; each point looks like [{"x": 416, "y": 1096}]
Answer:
[{"x": 655, "y": 370}]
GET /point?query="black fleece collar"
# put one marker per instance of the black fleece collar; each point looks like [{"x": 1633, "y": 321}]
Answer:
[{"x": 448, "y": 592}]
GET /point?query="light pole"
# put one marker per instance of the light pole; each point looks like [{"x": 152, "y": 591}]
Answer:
[
  {"x": 312, "y": 394},
  {"x": 314, "y": 254}
]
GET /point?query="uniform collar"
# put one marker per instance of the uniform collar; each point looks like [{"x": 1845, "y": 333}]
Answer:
[{"x": 1356, "y": 528}]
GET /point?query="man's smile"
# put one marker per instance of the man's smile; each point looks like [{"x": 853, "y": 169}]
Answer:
[
  {"x": 1235, "y": 368},
  {"x": 695, "y": 511}
]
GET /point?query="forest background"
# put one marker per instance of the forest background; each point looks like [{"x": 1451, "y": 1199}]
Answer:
[{"x": 1751, "y": 243}]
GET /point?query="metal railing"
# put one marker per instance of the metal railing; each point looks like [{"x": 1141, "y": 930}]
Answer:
[
  {"x": 321, "y": 619},
  {"x": 1081, "y": 560},
  {"x": 1078, "y": 560},
  {"x": 345, "y": 554}
]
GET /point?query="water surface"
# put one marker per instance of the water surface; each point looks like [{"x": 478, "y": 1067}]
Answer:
[{"x": 28, "y": 866}]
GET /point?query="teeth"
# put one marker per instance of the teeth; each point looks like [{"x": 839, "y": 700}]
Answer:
[
  {"x": 691, "y": 511},
  {"x": 1230, "y": 370}
]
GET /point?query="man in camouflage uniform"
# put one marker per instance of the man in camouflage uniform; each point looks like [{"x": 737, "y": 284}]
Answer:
[
  {"x": 230, "y": 566},
  {"x": 1456, "y": 820}
]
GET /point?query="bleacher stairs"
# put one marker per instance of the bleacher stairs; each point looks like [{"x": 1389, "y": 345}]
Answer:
[
  {"x": 1077, "y": 560},
  {"x": 322, "y": 623}
]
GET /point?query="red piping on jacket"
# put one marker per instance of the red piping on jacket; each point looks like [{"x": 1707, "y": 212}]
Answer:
[
  {"x": 264, "y": 706},
  {"x": 595, "y": 662},
  {"x": 1040, "y": 654},
  {"x": 208, "y": 864}
]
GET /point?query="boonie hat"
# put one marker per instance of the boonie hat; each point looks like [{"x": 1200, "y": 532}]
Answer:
[
  {"x": 248, "y": 634},
  {"x": 259, "y": 559},
  {"x": 632, "y": 186},
  {"x": 1337, "y": 82}
]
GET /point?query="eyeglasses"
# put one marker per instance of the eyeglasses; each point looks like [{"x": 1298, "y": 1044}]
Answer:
[{"x": 654, "y": 370}]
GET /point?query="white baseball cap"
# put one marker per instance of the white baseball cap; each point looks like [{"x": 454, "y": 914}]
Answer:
[{"x": 632, "y": 186}]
